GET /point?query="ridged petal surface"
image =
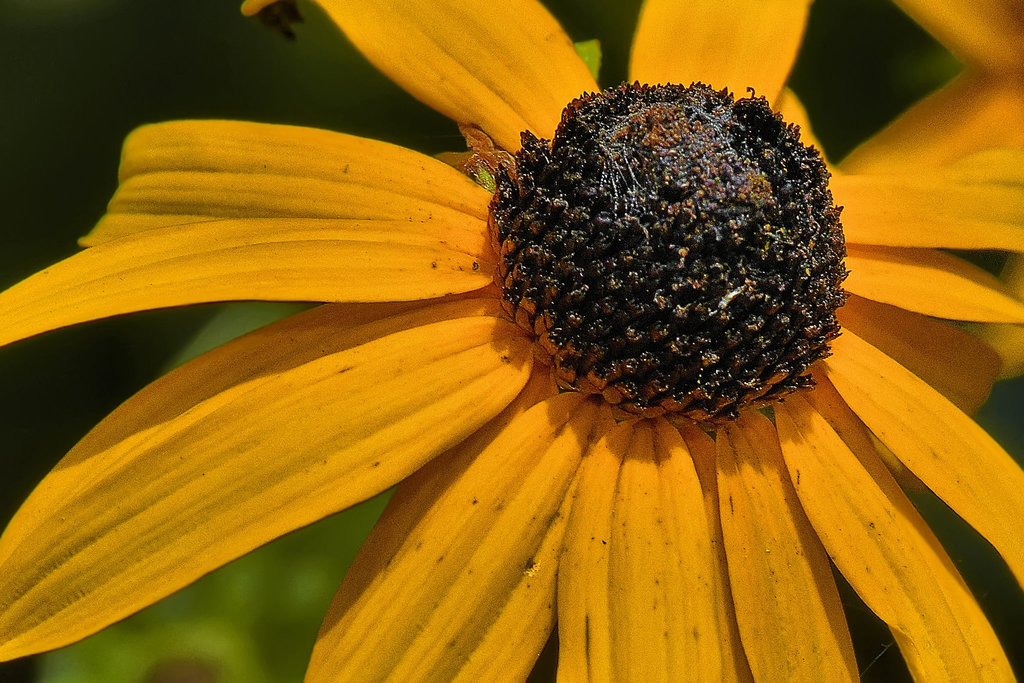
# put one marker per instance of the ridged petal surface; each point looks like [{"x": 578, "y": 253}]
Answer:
[
  {"x": 638, "y": 586},
  {"x": 197, "y": 171},
  {"x": 737, "y": 45},
  {"x": 881, "y": 544},
  {"x": 702, "y": 450},
  {"x": 955, "y": 362},
  {"x": 977, "y": 203},
  {"x": 458, "y": 577},
  {"x": 951, "y": 454},
  {"x": 235, "y": 260},
  {"x": 169, "y": 502},
  {"x": 790, "y": 618},
  {"x": 931, "y": 282}
]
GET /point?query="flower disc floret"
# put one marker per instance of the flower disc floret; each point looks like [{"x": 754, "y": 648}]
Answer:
[{"x": 673, "y": 249}]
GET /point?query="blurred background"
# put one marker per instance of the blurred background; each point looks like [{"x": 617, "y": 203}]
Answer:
[{"x": 80, "y": 74}]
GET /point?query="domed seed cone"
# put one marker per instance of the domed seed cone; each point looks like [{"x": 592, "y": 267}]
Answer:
[{"x": 672, "y": 249}]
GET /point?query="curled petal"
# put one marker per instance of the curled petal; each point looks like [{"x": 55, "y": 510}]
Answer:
[
  {"x": 1008, "y": 340},
  {"x": 197, "y": 171}
]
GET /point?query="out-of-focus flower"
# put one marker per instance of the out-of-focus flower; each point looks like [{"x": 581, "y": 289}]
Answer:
[{"x": 983, "y": 108}]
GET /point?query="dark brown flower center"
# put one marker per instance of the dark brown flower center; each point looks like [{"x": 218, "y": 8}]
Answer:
[{"x": 673, "y": 249}]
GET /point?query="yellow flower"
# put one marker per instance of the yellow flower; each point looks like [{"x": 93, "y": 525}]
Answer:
[
  {"x": 982, "y": 108},
  {"x": 674, "y": 555}
]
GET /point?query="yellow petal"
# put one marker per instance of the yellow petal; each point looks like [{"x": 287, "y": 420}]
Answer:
[
  {"x": 511, "y": 646},
  {"x": 585, "y": 622},
  {"x": 1008, "y": 340},
  {"x": 176, "y": 500},
  {"x": 463, "y": 562},
  {"x": 702, "y": 450},
  {"x": 951, "y": 454},
  {"x": 953, "y": 361},
  {"x": 268, "y": 351},
  {"x": 987, "y": 33},
  {"x": 930, "y": 282},
  {"x": 268, "y": 259},
  {"x": 638, "y": 589},
  {"x": 503, "y": 66},
  {"x": 736, "y": 45},
  {"x": 881, "y": 544},
  {"x": 195, "y": 171},
  {"x": 976, "y": 111},
  {"x": 787, "y": 606},
  {"x": 977, "y": 203}
]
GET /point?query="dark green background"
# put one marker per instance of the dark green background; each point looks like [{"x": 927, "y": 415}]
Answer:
[{"x": 80, "y": 74}]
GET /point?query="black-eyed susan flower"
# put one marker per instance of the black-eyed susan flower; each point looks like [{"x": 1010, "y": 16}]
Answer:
[{"x": 564, "y": 377}]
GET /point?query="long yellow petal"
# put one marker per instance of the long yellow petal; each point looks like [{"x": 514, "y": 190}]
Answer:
[
  {"x": 881, "y": 544},
  {"x": 503, "y": 66},
  {"x": 930, "y": 282},
  {"x": 944, "y": 447},
  {"x": 987, "y": 33},
  {"x": 168, "y": 504},
  {"x": 511, "y": 646},
  {"x": 585, "y": 623},
  {"x": 788, "y": 610},
  {"x": 463, "y": 562},
  {"x": 274, "y": 260},
  {"x": 974, "y": 112},
  {"x": 977, "y": 203},
  {"x": 263, "y": 353},
  {"x": 953, "y": 361},
  {"x": 195, "y": 171},
  {"x": 702, "y": 450},
  {"x": 639, "y": 594},
  {"x": 736, "y": 45}
]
